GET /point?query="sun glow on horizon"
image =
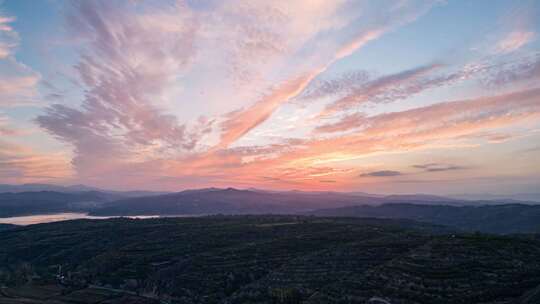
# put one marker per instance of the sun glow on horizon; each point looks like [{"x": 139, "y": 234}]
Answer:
[{"x": 314, "y": 95}]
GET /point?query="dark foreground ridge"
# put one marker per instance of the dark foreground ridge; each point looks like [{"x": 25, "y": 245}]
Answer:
[
  {"x": 264, "y": 259},
  {"x": 6, "y": 226}
]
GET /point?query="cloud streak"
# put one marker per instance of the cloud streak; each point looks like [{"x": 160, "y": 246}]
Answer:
[
  {"x": 302, "y": 163},
  {"x": 437, "y": 167},
  {"x": 245, "y": 120},
  {"x": 17, "y": 81},
  {"x": 181, "y": 94},
  {"x": 384, "y": 89},
  {"x": 383, "y": 173},
  {"x": 21, "y": 164},
  {"x": 9, "y": 38}
]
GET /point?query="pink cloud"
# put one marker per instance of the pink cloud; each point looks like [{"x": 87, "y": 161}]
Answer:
[
  {"x": 8, "y": 37},
  {"x": 346, "y": 123},
  {"x": 391, "y": 87},
  {"x": 128, "y": 61},
  {"x": 420, "y": 128},
  {"x": 22, "y": 164},
  {"x": 123, "y": 133},
  {"x": 514, "y": 41},
  {"x": 303, "y": 163},
  {"x": 245, "y": 120},
  {"x": 5, "y": 127},
  {"x": 17, "y": 84}
]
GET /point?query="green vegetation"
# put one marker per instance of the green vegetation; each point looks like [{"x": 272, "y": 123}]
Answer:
[
  {"x": 501, "y": 219},
  {"x": 264, "y": 259},
  {"x": 6, "y": 226}
]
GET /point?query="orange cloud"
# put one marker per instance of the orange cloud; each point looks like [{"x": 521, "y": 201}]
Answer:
[
  {"x": 243, "y": 121},
  {"x": 420, "y": 128},
  {"x": 21, "y": 164},
  {"x": 310, "y": 164}
]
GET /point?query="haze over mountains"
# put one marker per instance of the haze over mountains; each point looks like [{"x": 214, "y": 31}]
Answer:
[
  {"x": 495, "y": 216},
  {"x": 70, "y": 189}
]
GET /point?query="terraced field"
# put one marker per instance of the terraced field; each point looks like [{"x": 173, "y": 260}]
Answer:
[{"x": 264, "y": 259}]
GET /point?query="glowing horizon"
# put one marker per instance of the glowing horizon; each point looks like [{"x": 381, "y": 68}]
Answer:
[{"x": 406, "y": 97}]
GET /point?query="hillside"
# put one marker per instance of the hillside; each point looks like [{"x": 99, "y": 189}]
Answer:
[
  {"x": 509, "y": 218},
  {"x": 235, "y": 201},
  {"x": 6, "y": 226},
  {"x": 263, "y": 259},
  {"x": 231, "y": 201},
  {"x": 27, "y": 203}
]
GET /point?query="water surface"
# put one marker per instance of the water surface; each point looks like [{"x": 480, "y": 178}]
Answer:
[{"x": 56, "y": 217}]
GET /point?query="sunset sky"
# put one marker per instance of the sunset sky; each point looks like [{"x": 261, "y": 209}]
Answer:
[{"x": 402, "y": 96}]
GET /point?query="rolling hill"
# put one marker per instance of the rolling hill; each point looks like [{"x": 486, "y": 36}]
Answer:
[
  {"x": 264, "y": 259},
  {"x": 509, "y": 218}
]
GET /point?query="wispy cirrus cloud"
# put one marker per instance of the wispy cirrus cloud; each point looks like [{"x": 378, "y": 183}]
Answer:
[
  {"x": 17, "y": 81},
  {"x": 133, "y": 57},
  {"x": 321, "y": 88},
  {"x": 402, "y": 131},
  {"x": 345, "y": 123},
  {"x": 18, "y": 84},
  {"x": 9, "y": 39},
  {"x": 406, "y": 84},
  {"x": 301, "y": 163},
  {"x": 21, "y": 164},
  {"x": 182, "y": 94},
  {"x": 245, "y": 120},
  {"x": 6, "y": 128},
  {"x": 514, "y": 41},
  {"x": 129, "y": 60},
  {"x": 438, "y": 167},
  {"x": 386, "y": 88},
  {"x": 522, "y": 69}
]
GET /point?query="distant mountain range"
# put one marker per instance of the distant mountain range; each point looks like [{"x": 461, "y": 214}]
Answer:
[
  {"x": 499, "y": 216},
  {"x": 534, "y": 197},
  {"x": 43, "y": 202},
  {"x": 232, "y": 201},
  {"x": 193, "y": 202},
  {"x": 31, "y": 199},
  {"x": 71, "y": 189},
  {"x": 484, "y": 216}
]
